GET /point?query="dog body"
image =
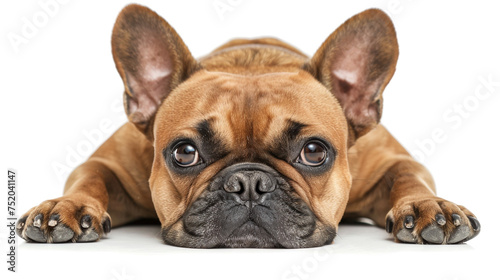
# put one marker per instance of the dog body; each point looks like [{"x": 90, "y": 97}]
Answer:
[{"x": 253, "y": 145}]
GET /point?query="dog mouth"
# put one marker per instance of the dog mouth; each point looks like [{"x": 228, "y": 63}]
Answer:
[
  {"x": 250, "y": 235},
  {"x": 215, "y": 221}
]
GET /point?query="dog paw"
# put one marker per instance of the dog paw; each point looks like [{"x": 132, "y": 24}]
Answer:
[
  {"x": 431, "y": 221},
  {"x": 66, "y": 219}
]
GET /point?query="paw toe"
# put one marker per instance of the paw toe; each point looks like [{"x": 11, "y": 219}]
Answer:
[
  {"x": 61, "y": 233},
  {"x": 433, "y": 234},
  {"x": 88, "y": 236},
  {"x": 459, "y": 234},
  {"x": 406, "y": 236},
  {"x": 36, "y": 234}
]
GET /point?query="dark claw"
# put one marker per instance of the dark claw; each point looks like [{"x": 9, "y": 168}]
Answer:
[
  {"x": 86, "y": 221},
  {"x": 433, "y": 234},
  {"x": 456, "y": 219},
  {"x": 62, "y": 233},
  {"x": 409, "y": 222},
  {"x": 389, "y": 224},
  {"x": 54, "y": 219},
  {"x": 440, "y": 219},
  {"x": 476, "y": 226},
  {"x": 37, "y": 221},
  {"x": 106, "y": 225}
]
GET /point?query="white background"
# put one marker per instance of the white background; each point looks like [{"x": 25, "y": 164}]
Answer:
[{"x": 60, "y": 84}]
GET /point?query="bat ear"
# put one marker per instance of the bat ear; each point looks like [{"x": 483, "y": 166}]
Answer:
[
  {"x": 355, "y": 63},
  {"x": 151, "y": 59}
]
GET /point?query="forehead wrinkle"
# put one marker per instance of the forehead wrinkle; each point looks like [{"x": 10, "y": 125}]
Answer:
[
  {"x": 239, "y": 102},
  {"x": 261, "y": 116},
  {"x": 249, "y": 118}
]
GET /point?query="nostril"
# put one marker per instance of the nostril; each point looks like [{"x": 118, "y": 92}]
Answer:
[
  {"x": 258, "y": 187},
  {"x": 241, "y": 187},
  {"x": 264, "y": 184},
  {"x": 236, "y": 184},
  {"x": 233, "y": 185}
]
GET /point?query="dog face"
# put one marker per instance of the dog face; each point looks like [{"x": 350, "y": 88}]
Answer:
[
  {"x": 247, "y": 169},
  {"x": 254, "y": 160}
]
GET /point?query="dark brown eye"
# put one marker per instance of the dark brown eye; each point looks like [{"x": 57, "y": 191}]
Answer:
[
  {"x": 313, "y": 154},
  {"x": 186, "y": 155}
]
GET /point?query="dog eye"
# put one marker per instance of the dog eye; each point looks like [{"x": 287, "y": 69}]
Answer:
[
  {"x": 186, "y": 155},
  {"x": 313, "y": 154}
]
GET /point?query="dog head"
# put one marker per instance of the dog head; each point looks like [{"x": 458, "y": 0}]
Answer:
[{"x": 252, "y": 157}]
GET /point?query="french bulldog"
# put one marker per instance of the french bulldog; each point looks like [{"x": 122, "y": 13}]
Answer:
[{"x": 253, "y": 145}]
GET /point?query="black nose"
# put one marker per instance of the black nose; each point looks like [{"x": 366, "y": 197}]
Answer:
[{"x": 250, "y": 185}]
